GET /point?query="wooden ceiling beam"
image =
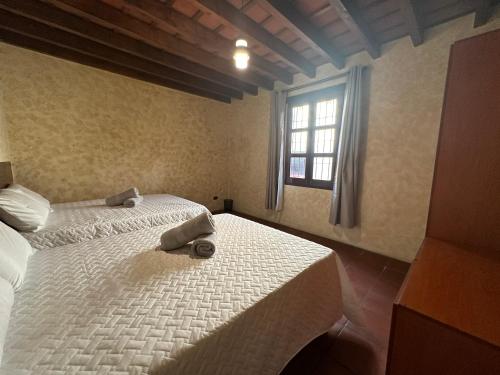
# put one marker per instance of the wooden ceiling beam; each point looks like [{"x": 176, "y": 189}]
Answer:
[
  {"x": 36, "y": 30},
  {"x": 248, "y": 5},
  {"x": 196, "y": 17},
  {"x": 321, "y": 11},
  {"x": 351, "y": 15},
  {"x": 257, "y": 33},
  {"x": 66, "y": 54},
  {"x": 413, "y": 21},
  {"x": 484, "y": 10},
  {"x": 108, "y": 16},
  {"x": 265, "y": 66},
  {"x": 300, "y": 25},
  {"x": 171, "y": 19},
  {"x": 196, "y": 33},
  {"x": 59, "y": 19}
]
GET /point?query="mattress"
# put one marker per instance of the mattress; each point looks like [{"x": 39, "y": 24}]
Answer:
[
  {"x": 118, "y": 305},
  {"x": 82, "y": 221}
]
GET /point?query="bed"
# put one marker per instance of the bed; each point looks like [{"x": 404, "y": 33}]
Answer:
[
  {"x": 85, "y": 220},
  {"x": 76, "y": 222},
  {"x": 117, "y": 305}
]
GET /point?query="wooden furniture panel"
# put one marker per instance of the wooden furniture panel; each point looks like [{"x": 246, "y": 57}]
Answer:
[
  {"x": 446, "y": 318},
  {"x": 457, "y": 287},
  {"x": 426, "y": 347},
  {"x": 465, "y": 202}
]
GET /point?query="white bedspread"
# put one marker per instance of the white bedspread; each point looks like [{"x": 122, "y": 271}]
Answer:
[
  {"x": 116, "y": 306},
  {"x": 82, "y": 221}
]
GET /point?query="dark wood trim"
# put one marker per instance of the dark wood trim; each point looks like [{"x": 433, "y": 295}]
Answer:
[
  {"x": 351, "y": 15},
  {"x": 66, "y": 54},
  {"x": 324, "y": 185},
  {"x": 54, "y": 17},
  {"x": 110, "y": 17},
  {"x": 255, "y": 31},
  {"x": 301, "y": 26},
  {"x": 413, "y": 20},
  {"x": 196, "y": 33},
  {"x": 311, "y": 98},
  {"x": 484, "y": 10},
  {"x": 25, "y": 26}
]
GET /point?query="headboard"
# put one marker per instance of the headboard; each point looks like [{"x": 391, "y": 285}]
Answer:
[{"x": 5, "y": 174}]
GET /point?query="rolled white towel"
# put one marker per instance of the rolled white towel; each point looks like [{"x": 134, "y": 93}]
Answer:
[
  {"x": 132, "y": 202},
  {"x": 118, "y": 199},
  {"x": 187, "y": 231},
  {"x": 204, "y": 245}
]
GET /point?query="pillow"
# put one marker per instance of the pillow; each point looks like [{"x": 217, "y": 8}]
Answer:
[
  {"x": 35, "y": 196},
  {"x": 14, "y": 253},
  {"x": 21, "y": 212},
  {"x": 6, "y": 302}
]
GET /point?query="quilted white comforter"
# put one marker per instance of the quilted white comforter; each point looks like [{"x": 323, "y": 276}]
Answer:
[
  {"x": 82, "y": 221},
  {"x": 117, "y": 306}
]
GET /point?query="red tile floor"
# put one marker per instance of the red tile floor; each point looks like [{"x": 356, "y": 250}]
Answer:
[{"x": 347, "y": 349}]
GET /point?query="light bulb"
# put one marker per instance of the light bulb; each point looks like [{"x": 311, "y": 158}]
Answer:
[{"x": 241, "y": 55}]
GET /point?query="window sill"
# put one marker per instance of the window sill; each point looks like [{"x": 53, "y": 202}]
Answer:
[{"x": 309, "y": 186}]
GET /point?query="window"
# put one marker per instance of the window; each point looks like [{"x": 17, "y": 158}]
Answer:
[{"x": 312, "y": 137}]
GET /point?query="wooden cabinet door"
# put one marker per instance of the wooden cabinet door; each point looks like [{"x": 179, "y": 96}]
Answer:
[{"x": 465, "y": 201}]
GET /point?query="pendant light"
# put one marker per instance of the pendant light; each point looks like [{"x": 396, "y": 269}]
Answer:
[{"x": 241, "y": 55}]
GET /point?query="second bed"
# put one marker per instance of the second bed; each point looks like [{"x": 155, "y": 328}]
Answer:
[{"x": 76, "y": 222}]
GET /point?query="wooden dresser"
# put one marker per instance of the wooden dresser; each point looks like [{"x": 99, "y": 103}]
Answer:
[{"x": 446, "y": 318}]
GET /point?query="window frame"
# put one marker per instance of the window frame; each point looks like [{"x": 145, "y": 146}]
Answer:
[{"x": 312, "y": 98}]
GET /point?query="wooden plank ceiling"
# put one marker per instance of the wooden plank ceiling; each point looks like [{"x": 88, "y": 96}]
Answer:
[{"x": 187, "y": 45}]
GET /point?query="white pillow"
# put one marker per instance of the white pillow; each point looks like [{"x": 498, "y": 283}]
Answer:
[
  {"x": 14, "y": 253},
  {"x": 22, "y": 212},
  {"x": 33, "y": 195},
  {"x": 6, "y": 302}
]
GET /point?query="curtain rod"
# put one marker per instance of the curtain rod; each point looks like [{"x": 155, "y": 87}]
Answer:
[
  {"x": 317, "y": 82},
  {"x": 332, "y": 78}
]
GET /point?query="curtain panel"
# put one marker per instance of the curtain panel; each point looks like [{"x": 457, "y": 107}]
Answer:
[
  {"x": 345, "y": 185},
  {"x": 276, "y": 153}
]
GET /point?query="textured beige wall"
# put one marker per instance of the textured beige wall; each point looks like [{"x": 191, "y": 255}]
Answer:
[
  {"x": 79, "y": 133},
  {"x": 406, "y": 95}
]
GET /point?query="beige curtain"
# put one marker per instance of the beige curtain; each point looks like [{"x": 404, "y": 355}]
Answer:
[
  {"x": 345, "y": 186},
  {"x": 276, "y": 153}
]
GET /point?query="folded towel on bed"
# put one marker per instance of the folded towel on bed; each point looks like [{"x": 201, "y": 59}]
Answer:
[
  {"x": 204, "y": 245},
  {"x": 118, "y": 199},
  {"x": 187, "y": 231},
  {"x": 132, "y": 202}
]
